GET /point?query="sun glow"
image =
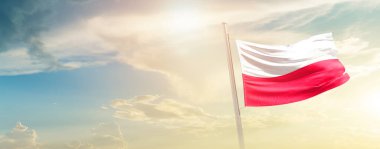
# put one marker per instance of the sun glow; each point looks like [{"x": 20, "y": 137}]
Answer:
[{"x": 183, "y": 20}]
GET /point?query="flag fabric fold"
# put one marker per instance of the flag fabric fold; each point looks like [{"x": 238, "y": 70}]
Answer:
[{"x": 282, "y": 74}]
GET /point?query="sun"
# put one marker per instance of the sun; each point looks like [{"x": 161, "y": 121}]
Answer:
[{"x": 183, "y": 20}]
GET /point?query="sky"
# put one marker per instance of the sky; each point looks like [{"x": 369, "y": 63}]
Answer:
[{"x": 127, "y": 74}]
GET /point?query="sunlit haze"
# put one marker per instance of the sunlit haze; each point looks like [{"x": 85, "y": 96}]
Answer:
[{"x": 124, "y": 74}]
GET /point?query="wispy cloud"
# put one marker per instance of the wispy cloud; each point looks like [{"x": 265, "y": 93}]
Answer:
[
  {"x": 354, "y": 49},
  {"x": 352, "y": 46},
  {"x": 167, "y": 113},
  {"x": 293, "y": 19}
]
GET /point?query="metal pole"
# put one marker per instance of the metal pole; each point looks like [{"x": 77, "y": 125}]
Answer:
[{"x": 239, "y": 126}]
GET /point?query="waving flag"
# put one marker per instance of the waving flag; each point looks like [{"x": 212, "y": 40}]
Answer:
[{"x": 275, "y": 75}]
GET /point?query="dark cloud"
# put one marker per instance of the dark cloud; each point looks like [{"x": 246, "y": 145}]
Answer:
[{"x": 21, "y": 23}]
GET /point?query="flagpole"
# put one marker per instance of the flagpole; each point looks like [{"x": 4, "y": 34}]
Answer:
[{"x": 239, "y": 126}]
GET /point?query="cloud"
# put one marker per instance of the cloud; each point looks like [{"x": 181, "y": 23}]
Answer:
[
  {"x": 79, "y": 145},
  {"x": 352, "y": 46},
  {"x": 21, "y": 137},
  {"x": 192, "y": 59},
  {"x": 198, "y": 53},
  {"x": 356, "y": 71},
  {"x": 356, "y": 49},
  {"x": 89, "y": 41},
  {"x": 78, "y": 46},
  {"x": 155, "y": 47},
  {"x": 25, "y": 24},
  {"x": 21, "y": 23},
  {"x": 183, "y": 117},
  {"x": 104, "y": 136},
  {"x": 18, "y": 61},
  {"x": 167, "y": 113},
  {"x": 324, "y": 17},
  {"x": 293, "y": 19}
]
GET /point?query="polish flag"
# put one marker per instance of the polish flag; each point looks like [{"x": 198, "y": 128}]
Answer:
[{"x": 275, "y": 75}]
